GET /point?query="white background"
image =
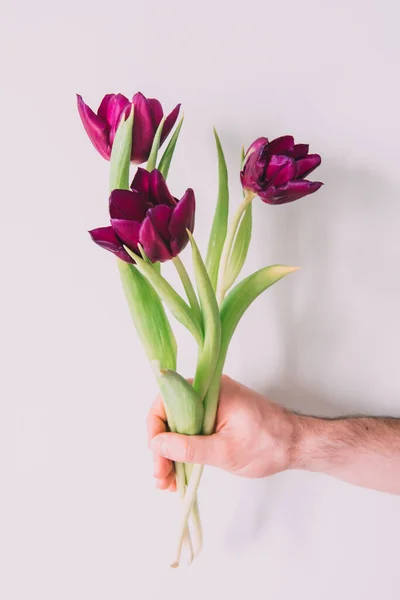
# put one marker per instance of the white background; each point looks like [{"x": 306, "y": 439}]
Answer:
[{"x": 79, "y": 516}]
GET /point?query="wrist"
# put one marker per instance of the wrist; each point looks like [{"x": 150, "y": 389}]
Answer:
[
  {"x": 320, "y": 445},
  {"x": 299, "y": 435},
  {"x": 310, "y": 436}
]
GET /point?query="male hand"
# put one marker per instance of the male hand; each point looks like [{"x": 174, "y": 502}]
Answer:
[{"x": 253, "y": 437}]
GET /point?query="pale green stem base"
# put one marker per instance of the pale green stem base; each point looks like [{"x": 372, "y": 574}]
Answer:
[
  {"x": 188, "y": 503},
  {"x": 181, "y": 487},
  {"x": 196, "y": 521},
  {"x": 180, "y": 476},
  {"x": 197, "y": 529}
]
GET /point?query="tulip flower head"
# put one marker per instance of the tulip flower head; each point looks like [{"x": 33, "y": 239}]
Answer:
[
  {"x": 148, "y": 113},
  {"x": 148, "y": 215},
  {"x": 276, "y": 171}
]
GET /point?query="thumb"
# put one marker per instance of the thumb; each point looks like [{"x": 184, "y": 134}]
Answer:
[{"x": 200, "y": 449}]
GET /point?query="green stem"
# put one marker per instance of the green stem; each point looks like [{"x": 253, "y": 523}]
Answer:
[
  {"x": 212, "y": 396},
  {"x": 188, "y": 287},
  {"x": 229, "y": 242},
  {"x": 208, "y": 353}
]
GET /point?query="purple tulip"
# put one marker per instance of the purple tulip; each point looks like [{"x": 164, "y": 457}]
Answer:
[
  {"x": 149, "y": 215},
  {"x": 101, "y": 127},
  {"x": 275, "y": 171}
]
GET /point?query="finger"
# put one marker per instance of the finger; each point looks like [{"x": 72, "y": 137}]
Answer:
[
  {"x": 172, "y": 487},
  {"x": 164, "y": 484},
  {"x": 156, "y": 419},
  {"x": 162, "y": 467},
  {"x": 200, "y": 449}
]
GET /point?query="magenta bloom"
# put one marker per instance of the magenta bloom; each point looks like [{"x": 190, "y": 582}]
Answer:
[
  {"x": 148, "y": 215},
  {"x": 276, "y": 170},
  {"x": 101, "y": 127}
]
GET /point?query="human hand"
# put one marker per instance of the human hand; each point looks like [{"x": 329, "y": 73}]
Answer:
[{"x": 253, "y": 437}]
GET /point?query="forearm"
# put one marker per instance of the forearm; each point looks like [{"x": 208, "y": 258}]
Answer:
[{"x": 363, "y": 451}]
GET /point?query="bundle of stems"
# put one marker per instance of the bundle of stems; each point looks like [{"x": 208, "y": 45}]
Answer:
[{"x": 211, "y": 312}]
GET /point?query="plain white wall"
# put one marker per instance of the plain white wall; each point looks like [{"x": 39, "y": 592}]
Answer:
[{"x": 79, "y": 517}]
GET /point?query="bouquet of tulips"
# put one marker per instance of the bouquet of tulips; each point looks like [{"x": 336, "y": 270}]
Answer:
[{"x": 148, "y": 226}]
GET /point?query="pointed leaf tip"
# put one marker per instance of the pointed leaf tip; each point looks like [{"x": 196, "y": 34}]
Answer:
[
  {"x": 165, "y": 162},
  {"x": 285, "y": 270},
  {"x": 220, "y": 220},
  {"x": 152, "y": 160}
]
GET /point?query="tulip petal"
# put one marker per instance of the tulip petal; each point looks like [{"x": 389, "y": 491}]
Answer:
[
  {"x": 106, "y": 238},
  {"x": 306, "y": 165},
  {"x": 153, "y": 244},
  {"x": 102, "y": 110},
  {"x": 143, "y": 129},
  {"x": 111, "y": 108},
  {"x": 161, "y": 216},
  {"x": 261, "y": 141},
  {"x": 128, "y": 232},
  {"x": 295, "y": 190},
  {"x": 169, "y": 123},
  {"x": 280, "y": 170},
  {"x": 268, "y": 194},
  {"x": 159, "y": 192},
  {"x": 141, "y": 182},
  {"x": 95, "y": 127},
  {"x": 253, "y": 174},
  {"x": 116, "y": 108},
  {"x": 124, "y": 204},
  {"x": 156, "y": 111},
  {"x": 281, "y": 145},
  {"x": 300, "y": 151},
  {"x": 182, "y": 219}
]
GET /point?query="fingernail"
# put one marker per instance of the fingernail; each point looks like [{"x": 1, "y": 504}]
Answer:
[{"x": 160, "y": 445}]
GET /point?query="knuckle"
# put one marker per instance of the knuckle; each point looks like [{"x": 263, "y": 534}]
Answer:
[{"x": 189, "y": 451}]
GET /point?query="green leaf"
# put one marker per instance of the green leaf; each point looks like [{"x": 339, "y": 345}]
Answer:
[
  {"x": 152, "y": 160},
  {"x": 208, "y": 355},
  {"x": 240, "y": 248},
  {"x": 233, "y": 308},
  {"x": 220, "y": 221},
  {"x": 166, "y": 158},
  {"x": 182, "y": 403},
  {"x": 239, "y": 299},
  {"x": 188, "y": 287},
  {"x": 172, "y": 299},
  {"x": 149, "y": 317},
  {"x": 120, "y": 159}
]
